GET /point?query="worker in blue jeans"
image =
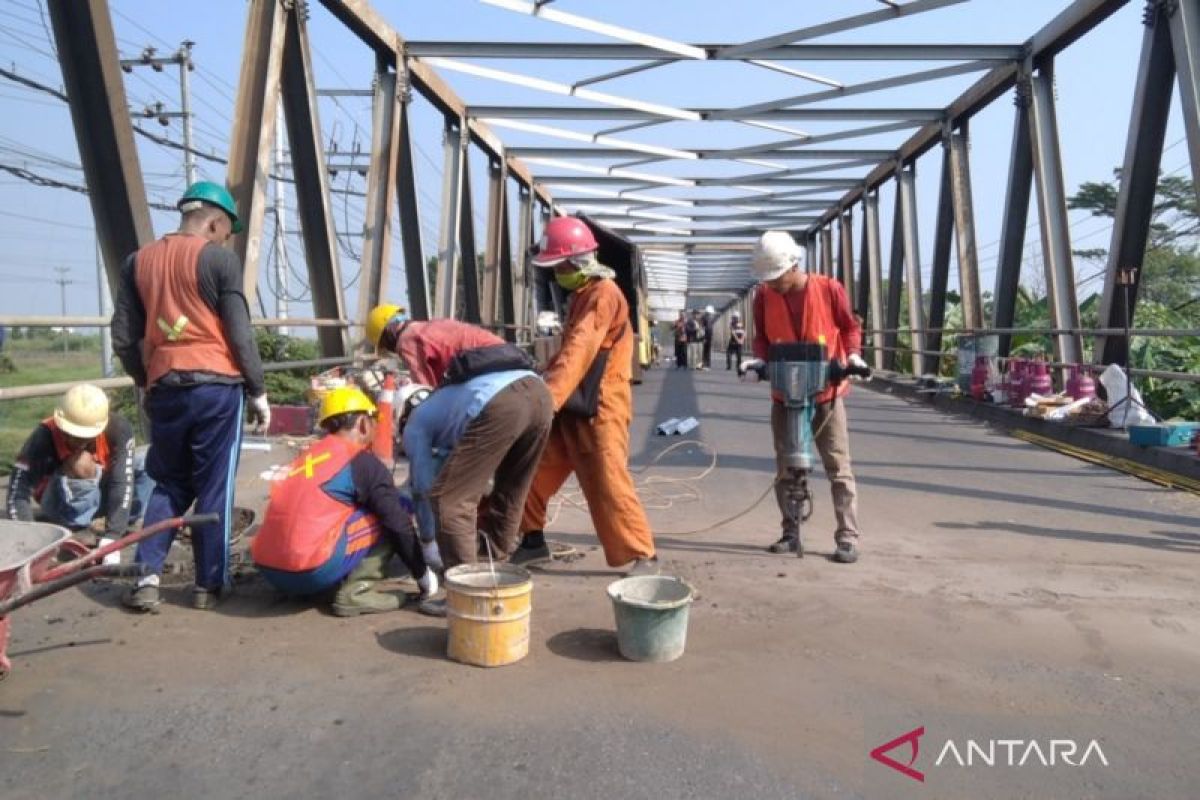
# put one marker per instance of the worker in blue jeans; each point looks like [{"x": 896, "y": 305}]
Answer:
[{"x": 182, "y": 331}]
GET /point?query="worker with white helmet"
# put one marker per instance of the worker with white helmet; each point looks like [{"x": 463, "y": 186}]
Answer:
[
  {"x": 791, "y": 305},
  {"x": 80, "y": 463}
]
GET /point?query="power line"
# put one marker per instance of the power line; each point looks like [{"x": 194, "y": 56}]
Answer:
[{"x": 52, "y": 183}]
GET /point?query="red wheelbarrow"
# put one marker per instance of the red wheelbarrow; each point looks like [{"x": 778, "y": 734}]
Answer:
[{"x": 27, "y": 572}]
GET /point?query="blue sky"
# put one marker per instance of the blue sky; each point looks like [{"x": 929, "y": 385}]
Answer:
[{"x": 45, "y": 228}]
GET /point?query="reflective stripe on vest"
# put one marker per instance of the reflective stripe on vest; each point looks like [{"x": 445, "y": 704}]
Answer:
[
  {"x": 183, "y": 334},
  {"x": 303, "y": 522},
  {"x": 815, "y": 324}
]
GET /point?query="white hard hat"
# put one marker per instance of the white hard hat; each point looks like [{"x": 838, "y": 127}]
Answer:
[
  {"x": 83, "y": 412},
  {"x": 409, "y": 396},
  {"x": 775, "y": 253},
  {"x": 709, "y": 310}
]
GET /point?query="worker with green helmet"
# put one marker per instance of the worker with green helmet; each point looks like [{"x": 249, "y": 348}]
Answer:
[
  {"x": 182, "y": 331},
  {"x": 335, "y": 517}
]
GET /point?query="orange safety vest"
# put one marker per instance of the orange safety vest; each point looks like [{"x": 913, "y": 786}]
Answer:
[
  {"x": 813, "y": 322},
  {"x": 182, "y": 332},
  {"x": 303, "y": 522},
  {"x": 62, "y": 449}
]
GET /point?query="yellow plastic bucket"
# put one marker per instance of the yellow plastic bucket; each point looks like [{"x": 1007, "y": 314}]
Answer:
[{"x": 487, "y": 608}]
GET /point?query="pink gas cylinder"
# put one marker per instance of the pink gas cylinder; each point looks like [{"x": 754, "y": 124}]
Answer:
[
  {"x": 1079, "y": 383},
  {"x": 1039, "y": 381},
  {"x": 979, "y": 377}
]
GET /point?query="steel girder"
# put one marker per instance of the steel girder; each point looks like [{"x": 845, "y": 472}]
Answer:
[
  {"x": 415, "y": 273},
  {"x": 827, "y": 251},
  {"x": 381, "y": 191},
  {"x": 1052, "y": 212},
  {"x": 1012, "y": 230},
  {"x": 895, "y": 286},
  {"x": 253, "y": 132},
  {"x": 454, "y": 147},
  {"x": 940, "y": 274},
  {"x": 964, "y": 230},
  {"x": 907, "y": 190},
  {"x": 874, "y": 267},
  {"x": 846, "y": 253},
  {"x": 87, "y": 48},
  {"x": 298, "y": 94},
  {"x": 1139, "y": 182}
]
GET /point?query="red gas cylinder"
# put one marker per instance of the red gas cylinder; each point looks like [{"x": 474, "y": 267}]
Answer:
[
  {"x": 1016, "y": 382},
  {"x": 979, "y": 376},
  {"x": 1079, "y": 383},
  {"x": 1039, "y": 381}
]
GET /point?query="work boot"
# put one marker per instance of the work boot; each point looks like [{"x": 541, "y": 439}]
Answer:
[
  {"x": 643, "y": 566},
  {"x": 356, "y": 597},
  {"x": 846, "y": 552},
  {"x": 432, "y": 608},
  {"x": 533, "y": 550},
  {"x": 204, "y": 599},
  {"x": 787, "y": 543},
  {"x": 142, "y": 599}
]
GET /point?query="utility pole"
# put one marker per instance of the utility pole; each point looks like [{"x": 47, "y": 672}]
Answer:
[
  {"x": 281, "y": 253},
  {"x": 106, "y": 353},
  {"x": 183, "y": 59},
  {"x": 62, "y": 280}
]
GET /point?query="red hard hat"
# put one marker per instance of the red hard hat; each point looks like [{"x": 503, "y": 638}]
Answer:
[{"x": 564, "y": 237}]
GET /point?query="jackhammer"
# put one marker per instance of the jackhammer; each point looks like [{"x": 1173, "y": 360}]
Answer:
[{"x": 798, "y": 372}]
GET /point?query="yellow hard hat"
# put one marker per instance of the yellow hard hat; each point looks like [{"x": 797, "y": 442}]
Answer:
[
  {"x": 378, "y": 319},
  {"x": 344, "y": 400},
  {"x": 83, "y": 412}
]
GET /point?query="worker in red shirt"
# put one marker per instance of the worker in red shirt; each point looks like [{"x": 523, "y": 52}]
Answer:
[
  {"x": 426, "y": 348},
  {"x": 791, "y": 305}
]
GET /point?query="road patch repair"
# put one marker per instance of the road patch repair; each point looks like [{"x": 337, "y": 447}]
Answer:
[{"x": 1005, "y": 592}]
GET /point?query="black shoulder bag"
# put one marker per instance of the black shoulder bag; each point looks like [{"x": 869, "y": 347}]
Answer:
[
  {"x": 476, "y": 361},
  {"x": 584, "y": 402}
]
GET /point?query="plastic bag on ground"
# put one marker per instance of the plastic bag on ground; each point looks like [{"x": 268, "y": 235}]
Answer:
[{"x": 1122, "y": 414}]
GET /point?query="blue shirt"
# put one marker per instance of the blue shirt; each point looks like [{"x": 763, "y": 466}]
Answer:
[{"x": 434, "y": 428}]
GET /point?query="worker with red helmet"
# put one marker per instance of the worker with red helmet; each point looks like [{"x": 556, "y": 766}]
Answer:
[{"x": 589, "y": 383}]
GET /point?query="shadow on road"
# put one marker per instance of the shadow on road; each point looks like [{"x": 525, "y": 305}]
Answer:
[
  {"x": 1176, "y": 542},
  {"x": 585, "y": 644},
  {"x": 425, "y": 641}
]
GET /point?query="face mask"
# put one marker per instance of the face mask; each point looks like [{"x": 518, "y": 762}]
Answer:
[{"x": 571, "y": 280}]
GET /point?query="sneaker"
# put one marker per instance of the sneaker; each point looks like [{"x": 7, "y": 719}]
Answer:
[
  {"x": 142, "y": 599},
  {"x": 786, "y": 544},
  {"x": 531, "y": 556},
  {"x": 206, "y": 599},
  {"x": 432, "y": 608},
  {"x": 643, "y": 566},
  {"x": 846, "y": 553}
]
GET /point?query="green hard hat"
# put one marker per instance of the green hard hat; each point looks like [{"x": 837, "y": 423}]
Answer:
[{"x": 215, "y": 195}]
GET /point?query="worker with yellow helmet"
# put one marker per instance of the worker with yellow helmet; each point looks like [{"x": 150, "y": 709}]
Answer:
[
  {"x": 79, "y": 464},
  {"x": 335, "y": 518}
]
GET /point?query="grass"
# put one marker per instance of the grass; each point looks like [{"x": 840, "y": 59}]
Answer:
[{"x": 39, "y": 361}]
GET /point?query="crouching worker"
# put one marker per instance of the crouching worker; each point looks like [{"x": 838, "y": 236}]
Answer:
[
  {"x": 80, "y": 464},
  {"x": 491, "y": 431},
  {"x": 335, "y": 519}
]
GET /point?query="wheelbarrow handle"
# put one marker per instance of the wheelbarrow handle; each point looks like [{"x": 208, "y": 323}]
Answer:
[
  {"x": 66, "y": 582},
  {"x": 125, "y": 541}
]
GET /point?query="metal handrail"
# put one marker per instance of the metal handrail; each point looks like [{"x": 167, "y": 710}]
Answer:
[
  {"x": 51, "y": 389},
  {"x": 1165, "y": 332},
  {"x": 19, "y": 321}
]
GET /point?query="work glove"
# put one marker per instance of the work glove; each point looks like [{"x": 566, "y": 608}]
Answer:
[
  {"x": 428, "y": 583},
  {"x": 752, "y": 370},
  {"x": 260, "y": 413},
  {"x": 856, "y": 361}
]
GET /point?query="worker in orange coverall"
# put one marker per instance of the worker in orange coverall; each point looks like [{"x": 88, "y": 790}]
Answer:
[{"x": 589, "y": 382}]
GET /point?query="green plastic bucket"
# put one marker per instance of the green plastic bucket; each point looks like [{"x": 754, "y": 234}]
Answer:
[{"x": 652, "y": 616}]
